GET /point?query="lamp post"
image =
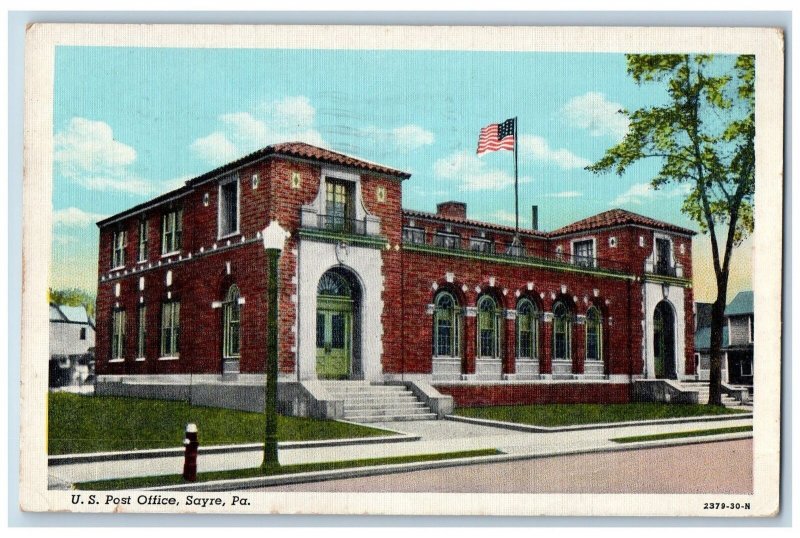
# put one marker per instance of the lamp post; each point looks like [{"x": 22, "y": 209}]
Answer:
[{"x": 274, "y": 237}]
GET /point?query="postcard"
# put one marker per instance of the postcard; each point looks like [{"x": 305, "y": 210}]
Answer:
[{"x": 402, "y": 270}]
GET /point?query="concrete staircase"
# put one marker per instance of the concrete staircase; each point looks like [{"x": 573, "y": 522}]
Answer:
[
  {"x": 365, "y": 402},
  {"x": 702, "y": 397}
]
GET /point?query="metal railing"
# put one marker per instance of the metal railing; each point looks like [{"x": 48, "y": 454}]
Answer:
[
  {"x": 665, "y": 269},
  {"x": 452, "y": 242},
  {"x": 336, "y": 223}
]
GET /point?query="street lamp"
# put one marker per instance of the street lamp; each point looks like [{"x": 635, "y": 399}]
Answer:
[{"x": 274, "y": 237}]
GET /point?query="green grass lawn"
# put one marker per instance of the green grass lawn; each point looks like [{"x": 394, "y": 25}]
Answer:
[
  {"x": 173, "y": 479},
  {"x": 551, "y": 415},
  {"x": 679, "y": 435},
  {"x": 78, "y": 424}
]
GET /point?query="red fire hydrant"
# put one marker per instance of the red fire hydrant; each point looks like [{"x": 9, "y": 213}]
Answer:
[{"x": 190, "y": 456}]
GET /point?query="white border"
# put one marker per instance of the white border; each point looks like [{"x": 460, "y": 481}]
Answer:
[{"x": 767, "y": 44}]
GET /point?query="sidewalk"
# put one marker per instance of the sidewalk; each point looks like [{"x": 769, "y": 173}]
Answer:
[{"x": 436, "y": 436}]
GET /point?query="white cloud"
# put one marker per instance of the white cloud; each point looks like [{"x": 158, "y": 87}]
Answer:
[
  {"x": 240, "y": 133},
  {"x": 596, "y": 114},
  {"x": 88, "y": 154},
  {"x": 539, "y": 149},
  {"x": 564, "y": 194},
  {"x": 405, "y": 139},
  {"x": 243, "y": 127},
  {"x": 473, "y": 173},
  {"x": 88, "y": 147},
  {"x": 290, "y": 113},
  {"x": 215, "y": 148},
  {"x": 72, "y": 216},
  {"x": 636, "y": 194},
  {"x": 502, "y": 215},
  {"x": 130, "y": 185},
  {"x": 640, "y": 193}
]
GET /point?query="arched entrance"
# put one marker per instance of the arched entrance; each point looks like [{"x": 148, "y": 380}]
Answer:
[
  {"x": 664, "y": 341},
  {"x": 338, "y": 296}
]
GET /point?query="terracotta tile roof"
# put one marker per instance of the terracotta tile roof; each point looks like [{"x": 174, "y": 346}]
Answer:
[
  {"x": 290, "y": 149},
  {"x": 303, "y": 151},
  {"x": 467, "y": 222},
  {"x": 618, "y": 217}
]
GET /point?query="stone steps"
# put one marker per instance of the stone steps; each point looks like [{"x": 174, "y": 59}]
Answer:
[
  {"x": 364, "y": 402},
  {"x": 702, "y": 390}
]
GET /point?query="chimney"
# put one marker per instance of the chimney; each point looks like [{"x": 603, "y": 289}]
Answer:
[
  {"x": 457, "y": 210},
  {"x": 535, "y": 217}
]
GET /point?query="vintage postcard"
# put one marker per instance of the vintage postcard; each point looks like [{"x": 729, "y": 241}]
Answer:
[{"x": 402, "y": 270}]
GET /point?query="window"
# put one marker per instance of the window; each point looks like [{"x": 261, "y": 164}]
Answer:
[
  {"x": 170, "y": 328},
  {"x": 447, "y": 240},
  {"x": 413, "y": 235},
  {"x": 142, "y": 240},
  {"x": 664, "y": 257},
  {"x": 446, "y": 326},
  {"x": 747, "y": 367},
  {"x": 583, "y": 253},
  {"x": 141, "y": 337},
  {"x": 562, "y": 332},
  {"x": 171, "y": 231},
  {"x": 338, "y": 205},
  {"x": 527, "y": 330},
  {"x": 117, "y": 334},
  {"x": 118, "y": 250},
  {"x": 82, "y": 333},
  {"x": 488, "y": 327},
  {"x": 752, "y": 328},
  {"x": 594, "y": 335},
  {"x": 229, "y": 206},
  {"x": 481, "y": 245},
  {"x": 231, "y": 316}
]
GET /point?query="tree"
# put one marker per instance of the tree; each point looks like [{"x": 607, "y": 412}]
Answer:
[
  {"x": 704, "y": 137},
  {"x": 73, "y": 297}
]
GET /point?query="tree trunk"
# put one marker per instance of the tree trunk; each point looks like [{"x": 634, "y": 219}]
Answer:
[{"x": 717, "y": 323}]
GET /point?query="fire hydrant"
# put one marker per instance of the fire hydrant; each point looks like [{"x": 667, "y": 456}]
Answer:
[{"x": 190, "y": 456}]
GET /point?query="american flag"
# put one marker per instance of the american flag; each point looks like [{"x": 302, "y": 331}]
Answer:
[{"x": 497, "y": 136}]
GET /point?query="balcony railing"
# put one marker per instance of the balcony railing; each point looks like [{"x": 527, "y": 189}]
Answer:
[
  {"x": 452, "y": 242},
  {"x": 336, "y": 223},
  {"x": 665, "y": 269}
]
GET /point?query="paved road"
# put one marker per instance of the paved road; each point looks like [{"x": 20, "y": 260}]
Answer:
[
  {"x": 721, "y": 467},
  {"x": 436, "y": 436}
]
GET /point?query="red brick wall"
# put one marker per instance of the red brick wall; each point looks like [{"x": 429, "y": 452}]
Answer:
[
  {"x": 421, "y": 270},
  {"x": 408, "y": 279},
  {"x": 196, "y": 284},
  {"x": 457, "y": 210},
  {"x": 539, "y": 393}
]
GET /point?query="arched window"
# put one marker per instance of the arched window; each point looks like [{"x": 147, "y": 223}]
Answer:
[
  {"x": 231, "y": 340},
  {"x": 527, "y": 330},
  {"x": 334, "y": 284},
  {"x": 488, "y": 327},
  {"x": 562, "y": 332},
  {"x": 446, "y": 326},
  {"x": 594, "y": 335}
]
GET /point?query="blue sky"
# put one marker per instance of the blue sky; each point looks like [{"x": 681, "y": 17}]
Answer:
[{"x": 130, "y": 123}]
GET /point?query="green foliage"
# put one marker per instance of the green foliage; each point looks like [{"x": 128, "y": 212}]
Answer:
[
  {"x": 680, "y": 435},
  {"x": 703, "y": 136},
  {"x": 140, "y": 482},
  {"x": 552, "y": 415},
  {"x": 79, "y": 424},
  {"x": 73, "y": 297}
]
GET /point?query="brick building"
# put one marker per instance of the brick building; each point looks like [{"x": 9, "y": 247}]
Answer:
[{"x": 370, "y": 291}]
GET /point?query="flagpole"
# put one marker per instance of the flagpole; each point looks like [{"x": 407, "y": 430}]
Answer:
[{"x": 516, "y": 186}]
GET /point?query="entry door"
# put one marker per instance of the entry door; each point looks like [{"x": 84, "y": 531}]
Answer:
[
  {"x": 334, "y": 339},
  {"x": 664, "y": 342}
]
